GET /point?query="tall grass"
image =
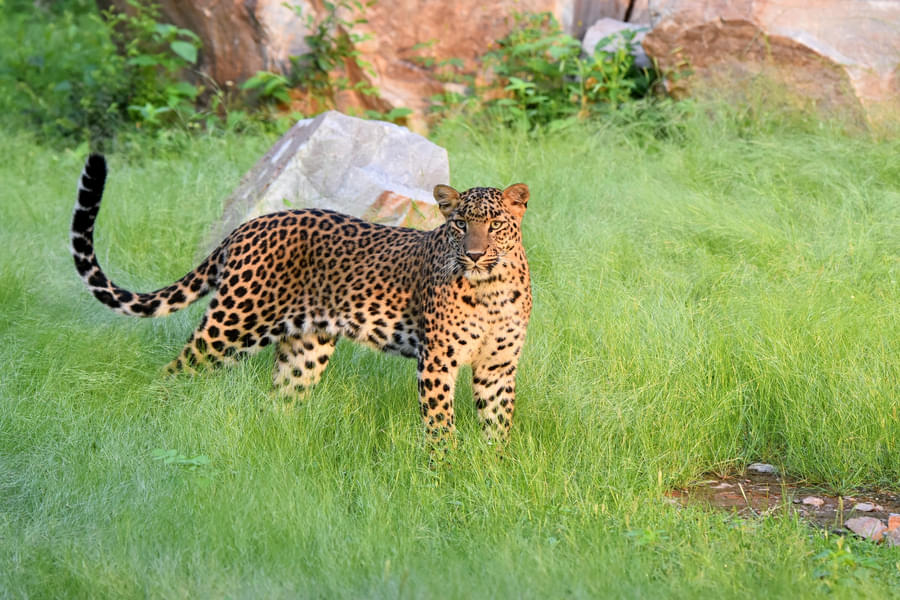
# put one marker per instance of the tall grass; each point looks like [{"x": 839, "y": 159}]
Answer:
[{"x": 706, "y": 294}]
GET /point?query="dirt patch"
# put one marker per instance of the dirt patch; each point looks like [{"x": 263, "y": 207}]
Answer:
[{"x": 757, "y": 494}]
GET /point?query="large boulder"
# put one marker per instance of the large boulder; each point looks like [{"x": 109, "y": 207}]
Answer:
[
  {"x": 369, "y": 169},
  {"x": 408, "y": 40},
  {"x": 840, "y": 56}
]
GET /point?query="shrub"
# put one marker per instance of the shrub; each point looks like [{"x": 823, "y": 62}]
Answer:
[
  {"x": 542, "y": 78},
  {"x": 71, "y": 74},
  {"x": 59, "y": 70}
]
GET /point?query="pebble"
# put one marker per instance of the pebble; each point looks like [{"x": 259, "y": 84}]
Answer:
[
  {"x": 867, "y": 527},
  {"x": 864, "y": 507},
  {"x": 893, "y": 522},
  {"x": 813, "y": 501},
  {"x": 762, "y": 468}
]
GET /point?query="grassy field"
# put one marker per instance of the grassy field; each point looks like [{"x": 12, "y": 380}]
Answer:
[{"x": 707, "y": 295}]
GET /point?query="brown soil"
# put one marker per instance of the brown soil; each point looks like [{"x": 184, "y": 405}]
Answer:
[{"x": 757, "y": 494}]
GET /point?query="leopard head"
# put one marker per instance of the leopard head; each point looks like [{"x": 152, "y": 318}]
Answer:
[{"x": 483, "y": 226}]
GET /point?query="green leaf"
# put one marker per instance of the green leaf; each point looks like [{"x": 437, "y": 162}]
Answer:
[
  {"x": 144, "y": 60},
  {"x": 397, "y": 113},
  {"x": 182, "y": 89},
  {"x": 185, "y": 50}
]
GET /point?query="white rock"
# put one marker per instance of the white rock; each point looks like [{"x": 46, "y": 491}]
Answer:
[
  {"x": 867, "y": 527},
  {"x": 763, "y": 468},
  {"x": 864, "y": 507},
  {"x": 813, "y": 501},
  {"x": 354, "y": 166},
  {"x": 614, "y": 29}
]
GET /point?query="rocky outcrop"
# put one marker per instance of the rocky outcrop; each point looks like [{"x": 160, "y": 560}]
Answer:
[
  {"x": 408, "y": 40},
  {"x": 369, "y": 169},
  {"x": 839, "y": 56}
]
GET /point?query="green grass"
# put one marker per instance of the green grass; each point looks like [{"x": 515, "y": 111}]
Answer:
[{"x": 716, "y": 296}]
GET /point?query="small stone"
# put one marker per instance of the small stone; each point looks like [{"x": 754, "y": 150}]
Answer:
[
  {"x": 813, "y": 501},
  {"x": 722, "y": 486},
  {"x": 864, "y": 507},
  {"x": 892, "y": 537},
  {"x": 867, "y": 527},
  {"x": 894, "y": 522},
  {"x": 762, "y": 468}
]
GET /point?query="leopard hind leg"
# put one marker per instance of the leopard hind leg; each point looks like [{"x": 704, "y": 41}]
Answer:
[
  {"x": 300, "y": 360},
  {"x": 221, "y": 341}
]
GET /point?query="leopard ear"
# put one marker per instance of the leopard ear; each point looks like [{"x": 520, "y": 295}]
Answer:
[
  {"x": 447, "y": 199},
  {"x": 516, "y": 198}
]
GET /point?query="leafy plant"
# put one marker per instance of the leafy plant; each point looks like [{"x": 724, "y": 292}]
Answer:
[
  {"x": 332, "y": 46},
  {"x": 68, "y": 72},
  {"x": 393, "y": 115},
  {"x": 543, "y": 78},
  {"x": 269, "y": 86},
  {"x": 59, "y": 71},
  {"x": 840, "y": 566},
  {"x": 157, "y": 55},
  {"x": 325, "y": 69}
]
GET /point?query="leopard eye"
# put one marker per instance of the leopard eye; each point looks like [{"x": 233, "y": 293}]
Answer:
[
  {"x": 459, "y": 223},
  {"x": 496, "y": 225}
]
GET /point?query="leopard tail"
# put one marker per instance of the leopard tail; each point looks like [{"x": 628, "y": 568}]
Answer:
[{"x": 163, "y": 301}]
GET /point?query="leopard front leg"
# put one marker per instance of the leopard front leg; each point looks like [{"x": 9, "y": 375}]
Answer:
[
  {"x": 299, "y": 363},
  {"x": 437, "y": 379},
  {"x": 494, "y": 391}
]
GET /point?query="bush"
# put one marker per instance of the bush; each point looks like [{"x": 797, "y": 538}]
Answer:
[
  {"x": 542, "y": 78},
  {"x": 59, "y": 70},
  {"x": 71, "y": 74}
]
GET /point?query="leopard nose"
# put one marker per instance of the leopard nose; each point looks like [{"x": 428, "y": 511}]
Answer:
[{"x": 474, "y": 255}]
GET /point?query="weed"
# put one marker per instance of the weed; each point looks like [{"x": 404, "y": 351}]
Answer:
[
  {"x": 324, "y": 71},
  {"x": 546, "y": 80},
  {"x": 840, "y": 566},
  {"x": 156, "y": 58}
]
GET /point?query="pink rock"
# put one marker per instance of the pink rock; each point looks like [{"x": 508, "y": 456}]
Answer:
[
  {"x": 864, "y": 507},
  {"x": 867, "y": 527},
  {"x": 831, "y": 53},
  {"x": 894, "y": 522}
]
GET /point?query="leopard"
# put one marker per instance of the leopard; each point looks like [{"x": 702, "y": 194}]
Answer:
[{"x": 301, "y": 279}]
